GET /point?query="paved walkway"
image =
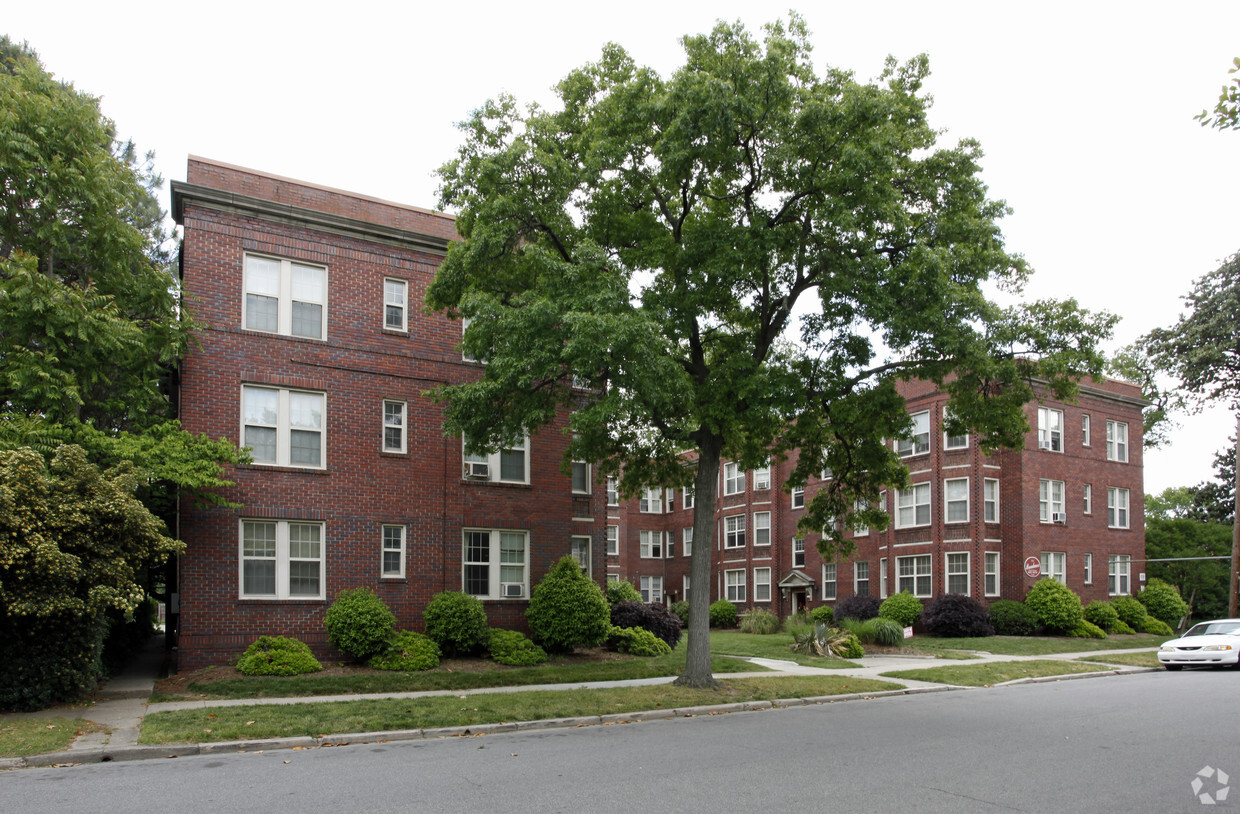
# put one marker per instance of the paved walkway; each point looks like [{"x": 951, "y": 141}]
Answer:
[{"x": 120, "y": 704}]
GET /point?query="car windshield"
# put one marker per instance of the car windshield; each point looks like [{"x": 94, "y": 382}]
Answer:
[{"x": 1213, "y": 629}]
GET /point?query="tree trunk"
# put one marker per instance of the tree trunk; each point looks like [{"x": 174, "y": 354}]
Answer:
[
  {"x": 697, "y": 660},
  {"x": 1235, "y": 535}
]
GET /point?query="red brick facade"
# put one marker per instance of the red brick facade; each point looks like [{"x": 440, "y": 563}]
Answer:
[{"x": 309, "y": 528}]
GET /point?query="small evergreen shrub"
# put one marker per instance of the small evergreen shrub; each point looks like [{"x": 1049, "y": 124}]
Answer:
[
  {"x": 823, "y": 614},
  {"x": 902, "y": 607},
  {"x": 1130, "y": 611},
  {"x": 622, "y": 591},
  {"x": 1121, "y": 628},
  {"x": 760, "y": 621},
  {"x": 655, "y": 618},
  {"x": 1156, "y": 626},
  {"x": 1057, "y": 606},
  {"x": 277, "y": 656},
  {"x": 957, "y": 615},
  {"x": 681, "y": 609},
  {"x": 1162, "y": 601},
  {"x": 567, "y": 610},
  {"x": 857, "y": 607},
  {"x": 457, "y": 623},
  {"x": 1087, "y": 630},
  {"x": 849, "y": 648},
  {"x": 359, "y": 624},
  {"x": 1011, "y": 618},
  {"x": 511, "y": 647},
  {"x": 636, "y": 641},
  {"x": 722, "y": 614},
  {"x": 1102, "y": 614},
  {"x": 409, "y": 652}
]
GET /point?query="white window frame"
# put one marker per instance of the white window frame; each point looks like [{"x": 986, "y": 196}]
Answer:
[
  {"x": 1055, "y": 565},
  {"x": 395, "y": 302},
  {"x": 283, "y": 554},
  {"x": 688, "y": 495},
  {"x": 1086, "y": 430},
  {"x": 652, "y": 590},
  {"x": 919, "y": 581},
  {"x": 956, "y": 499},
  {"x": 392, "y": 541},
  {"x": 283, "y": 426},
  {"x": 990, "y": 500},
  {"x": 733, "y": 479},
  {"x": 1087, "y": 498},
  {"x": 1117, "y": 507},
  {"x": 762, "y": 478},
  {"x": 1119, "y": 574},
  {"x": 762, "y": 528},
  {"x": 495, "y": 563},
  {"x": 1089, "y": 569},
  {"x": 283, "y": 295},
  {"x": 685, "y": 584},
  {"x": 990, "y": 575},
  {"x": 613, "y": 540},
  {"x": 734, "y": 585},
  {"x": 613, "y": 491},
  {"x": 953, "y": 441},
  {"x": 830, "y": 581},
  {"x": 581, "y": 480},
  {"x": 1050, "y": 429},
  {"x": 956, "y": 570},
  {"x": 918, "y": 442},
  {"x": 762, "y": 584},
  {"x": 882, "y": 577},
  {"x": 911, "y": 502},
  {"x": 651, "y": 501},
  {"x": 797, "y": 499},
  {"x": 1050, "y": 499},
  {"x": 860, "y": 529},
  {"x": 494, "y": 461},
  {"x": 686, "y": 541},
  {"x": 734, "y": 531},
  {"x": 1117, "y": 441},
  {"x": 650, "y": 544},
  {"x": 861, "y": 577},
  {"x": 580, "y": 550},
  {"x": 798, "y": 552},
  {"x": 394, "y": 422}
]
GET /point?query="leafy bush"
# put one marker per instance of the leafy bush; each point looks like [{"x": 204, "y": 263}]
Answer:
[
  {"x": 902, "y": 607},
  {"x": 511, "y": 647},
  {"x": 1057, "y": 606},
  {"x": 722, "y": 614},
  {"x": 49, "y": 659},
  {"x": 568, "y": 610},
  {"x": 1087, "y": 630},
  {"x": 681, "y": 609},
  {"x": 359, "y": 624},
  {"x": 760, "y": 621},
  {"x": 849, "y": 648},
  {"x": 636, "y": 641},
  {"x": 1156, "y": 626},
  {"x": 1162, "y": 601},
  {"x": 824, "y": 640},
  {"x": 1102, "y": 614},
  {"x": 1130, "y": 611},
  {"x": 1120, "y": 627},
  {"x": 408, "y": 652},
  {"x": 878, "y": 630},
  {"x": 1010, "y": 618},
  {"x": 857, "y": 607},
  {"x": 655, "y": 618},
  {"x": 457, "y": 623},
  {"x": 956, "y": 615},
  {"x": 622, "y": 591},
  {"x": 277, "y": 656},
  {"x": 824, "y": 614}
]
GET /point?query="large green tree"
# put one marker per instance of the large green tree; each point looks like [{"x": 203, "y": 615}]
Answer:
[
  {"x": 1226, "y": 112},
  {"x": 737, "y": 262}
]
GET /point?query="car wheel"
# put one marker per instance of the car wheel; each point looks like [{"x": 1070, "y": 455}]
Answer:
[{"x": 1173, "y": 667}]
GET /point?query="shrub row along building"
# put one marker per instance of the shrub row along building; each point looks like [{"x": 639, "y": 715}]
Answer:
[{"x": 315, "y": 353}]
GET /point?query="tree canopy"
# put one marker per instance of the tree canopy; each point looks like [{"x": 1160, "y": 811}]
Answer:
[
  {"x": 738, "y": 261},
  {"x": 1226, "y": 112}
]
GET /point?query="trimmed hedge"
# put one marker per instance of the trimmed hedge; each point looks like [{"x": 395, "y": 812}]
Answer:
[
  {"x": 1087, "y": 630},
  {"x": 655, "y": 618},
  {"x": 823, "y": 614},
  {"x": 1162, "y": 601},
  {"x": 622, "y": 591},
  {"x": 1011, "y": 618},
  {"x": 902, "y": 607},
  {"x": 408, "y": 652},
  {"x": 359, "y": 624},
  {"x": 511, "y": 647},
  {"x": 857, "y": 607},
  {"x": 1057, "y": 606},
  {"x": 1103, "y": 615},
  {"x": 956, "y": 616},
  {"x": 457, "y": 623},
  {"x": 722, "y": 614},
  {"x": 636, "y": 641},
  {"x": 277, "y": 656},
  {"x": 1130, "y": 611},
  {"x": 1157, "y": 627}
]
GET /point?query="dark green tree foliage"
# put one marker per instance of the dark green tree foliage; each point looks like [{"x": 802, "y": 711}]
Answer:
[
  {"x": 656, "y": 618},
  {"x": 567, "y": 610},
  {"x": 1162, "y": 601},
  {"x": 1226, "y": 112},
  {"x": 1133, "y": 364},
  {"x": 724, "y": 256},
  {"x": 1010, "y": 618},
  {"x": 359, "y": 624},
  {"x": 1202, "y": 583}
]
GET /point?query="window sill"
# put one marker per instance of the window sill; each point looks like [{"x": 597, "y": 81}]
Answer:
[
  {"x": 302, "y": 470},
  {"x": 495, "y": 483},
  {"x": 259, "y": 600},
  {"x": 391, "y": 453},
  {"x": 395, "y": 331}
]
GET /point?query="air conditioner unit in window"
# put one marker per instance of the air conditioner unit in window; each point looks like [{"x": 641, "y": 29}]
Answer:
[
  {"x": 1045, "y": 445},
  {"x": 510, "y": 589},
  {"x": 477, "y": 470},
  {"x": 1059, "y": 517}
]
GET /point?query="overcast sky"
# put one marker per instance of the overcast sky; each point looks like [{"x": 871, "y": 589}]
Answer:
[{"x": 1084, "y": 109}]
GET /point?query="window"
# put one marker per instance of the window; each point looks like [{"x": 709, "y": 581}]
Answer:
[
  {"x": 581, "y": 552},
  {"x": 861, "y": 578},
  {"x": 956, "y": 495},
  {"x": 283, "y": 427},
  {"x": 1089, "y": 569},
  {"x": 581, "y": 478},
  {"x": 1117, "y": 441},
  {"x": 613, "y": 540},
  {"x": 953, "y": 441},
  {"x": 651, "y": 502},
  {"x": 392, "y": 558},
  {"x": 395, "y": 294},
  {"x": 466, "y": 355},
  {"x": 913, "y": 506},
  {"x": 1087, "y": 495},
  {"x": 913, "y": 575},
  {"x": 669, "y": 544},
  {"x": 393, "y": 426},
  {"x": 958, "y": 573},
  {"x": 761, "y": 585},
  {"x": 733, "y": 479},
  {"x": 1050, "y": 429},
  {"x": 509, "y": 464},
  {"x": 761, "y": 528},
  {"x": 919, "y": 441},
  {"x": 688, "y": 493},
  {"x": 882, "y": 577},
  {"x": 734, "y": 531},
  {"x": 1085, "y": 430},
  {"x": 285, "y": 297},
  {"x": 798, "y": 497},
  {"x": 828, "y": 580},
  {"x": 990, "y": 500},
  {"x": 860, "y": 529},
  {"x": 1053, "y": 565},
  {"x": 686, "y": 541},
  {"x": 798, "y": 552},
  {"x": 495, "y": 564},
  {"x": 1119, "y": 568},
  {"x": 1117, "y": 508},
  {"x": 652, "y": 590},
  {"x": 651, "y": 544},
  {"x": 762, "y": 480},
  {"x": 1050, "y": 501},
  {"x": 613, "y": 578},
  {"x": 613, "y": 491},
  {"x": 685, "y": 583},
  {"x": 991, "y": 574},
  {"x": 281, "y": 559},
  {"x": 734, "y": 585}
]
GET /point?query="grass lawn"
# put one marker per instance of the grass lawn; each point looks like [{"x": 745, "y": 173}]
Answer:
[
  {"x": 1035, "y": 645},
  {"x": 1130, "y": 659},
  {"x": 20, "y": 737},
  {"x": 772, "y": 646},
  {"x": 343, "y": 717},
  {"x": 985, "y": 675}
]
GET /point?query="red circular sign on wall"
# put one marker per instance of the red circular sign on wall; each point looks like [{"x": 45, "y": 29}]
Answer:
[{"x": 1033, "y": 567}]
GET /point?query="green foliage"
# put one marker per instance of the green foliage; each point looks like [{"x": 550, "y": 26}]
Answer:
[
  {"x": 49, "y": 658},
  {"x": 857, "y": 607},
  {"x": 1226, "y": 113},
  {"x": 848, "y": 647},
  {"x": 359, "y": 624},
  {"x": 636, "y": 641},
  {"x": 1130, "y": 611},
  {"x": 902, "y": 607},
  {"x": 1122, "y": 628},
  {"x": 1163, "y": 602},
  {"x": 622, "y": 591},
  {"x": 457, "y": 623},
  {"x": 407, "y": 652},
  {"x": 567, "y": 609},
  {"x": 957, "y": 615},
  {"x": 824, "y": 640},
  {"x": 1103, "y": 615},
  {"x": 1011, "y": 618},
  {"x": 760, "y": 621},
  {"x": 277, "y": 656},
  {"x": 1057, "y": 606},
  {"x": 681, "y": 609},
  {"x": 823, "y": 614},
  {"x": 1087, "y": 630},
  {"x": 722, "y": 614},
  {"x": 1156, "y": 626},
  {"x": 511, "y": 647},
  {"x": 876, "y": 630},
  {"x": 655, "y": 618}
]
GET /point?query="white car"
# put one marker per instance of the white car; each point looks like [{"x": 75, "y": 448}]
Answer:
[{"x": 1206, "y": 643}]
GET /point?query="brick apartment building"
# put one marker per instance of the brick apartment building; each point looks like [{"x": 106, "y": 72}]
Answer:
[
  {"x": 1072, "y": 499},
  {"x": 315, "y": 352}
]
